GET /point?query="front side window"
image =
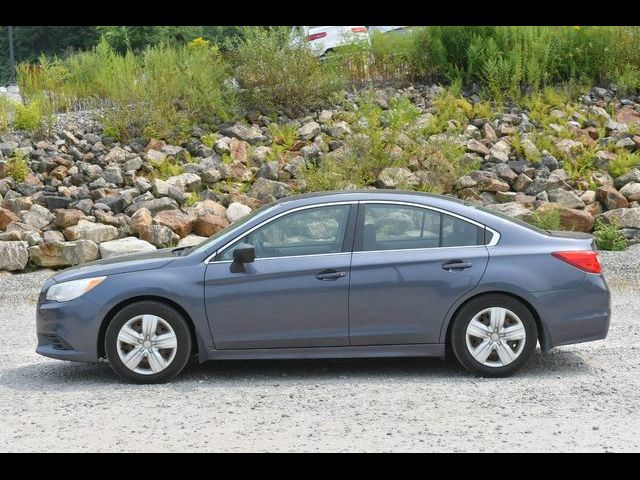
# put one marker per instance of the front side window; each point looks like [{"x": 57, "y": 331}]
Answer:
[
  {"x": 313, "y": 231},
  {"x": 400, "y": 227}
]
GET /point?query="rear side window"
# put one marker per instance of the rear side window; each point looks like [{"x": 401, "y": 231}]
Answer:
[{"x": 399, "y": 227}]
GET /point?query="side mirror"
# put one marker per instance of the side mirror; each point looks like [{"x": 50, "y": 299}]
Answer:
[{"x": 244, "y": 253}]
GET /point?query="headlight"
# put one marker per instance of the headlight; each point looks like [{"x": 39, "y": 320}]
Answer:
[{"x": 63, "y": 292}]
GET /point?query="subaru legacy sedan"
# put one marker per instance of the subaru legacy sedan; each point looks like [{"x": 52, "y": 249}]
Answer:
[{"x": 335, "y": 275}]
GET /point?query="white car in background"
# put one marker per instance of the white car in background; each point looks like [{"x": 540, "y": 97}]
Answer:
[{"x": 325, "y": 39}]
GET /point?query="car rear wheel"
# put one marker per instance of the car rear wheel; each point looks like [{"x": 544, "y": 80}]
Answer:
[
  {"x": 494, "y": 335},
  {"x": 148, "y": 342}
]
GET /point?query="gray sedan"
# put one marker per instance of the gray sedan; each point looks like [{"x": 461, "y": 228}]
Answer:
[{"x": 337, "y": 274}]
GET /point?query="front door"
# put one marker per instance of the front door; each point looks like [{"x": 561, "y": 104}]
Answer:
[
  {"x": 295, "y": 293},
  {"x": 410, "y": 265}
]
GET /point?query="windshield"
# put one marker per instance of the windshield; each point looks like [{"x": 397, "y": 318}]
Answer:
[{"x": 231, "y": 229}]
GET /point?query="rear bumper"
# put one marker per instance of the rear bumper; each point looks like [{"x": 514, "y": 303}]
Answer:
[{"x": 576, "y": 315}]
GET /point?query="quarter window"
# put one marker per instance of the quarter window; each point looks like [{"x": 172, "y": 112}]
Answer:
[
  {"x": 399, "y": 227},
  {"x": 312, "y": 231}
]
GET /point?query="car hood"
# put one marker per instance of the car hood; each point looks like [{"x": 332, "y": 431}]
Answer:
[{"x": 112, "y": 266}]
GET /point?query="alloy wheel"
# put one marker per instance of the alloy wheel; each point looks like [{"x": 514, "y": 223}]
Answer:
[
  {"x": 495, "y": 337},
  {"x": 147, "y": 344}
]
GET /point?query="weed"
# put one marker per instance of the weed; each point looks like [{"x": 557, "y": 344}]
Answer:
[{"x": 608, "y": 236}]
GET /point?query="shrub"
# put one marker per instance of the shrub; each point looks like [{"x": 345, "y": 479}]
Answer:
[
  {"x": 608, "y": 236},
  {"x": 28, "y": 117},
  {"x": 277, "y": 74},
  {"x": 209, "y": 139},
  {"x": 623, "y": 162},
  {"x": 546, "y": 220},
  {"x": 284, "y": 135},
  {"x": 17, "y": 167},
  {"x": 4, "y": 114},
  {"x": 165, "y": 169}
]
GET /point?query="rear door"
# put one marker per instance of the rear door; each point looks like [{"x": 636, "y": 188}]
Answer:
[{"x": 410, "y": 264}]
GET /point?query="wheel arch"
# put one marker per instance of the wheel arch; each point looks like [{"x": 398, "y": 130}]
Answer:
[
  {"x": 543, "y": 336},
  {"x": 142, "y": 298}
]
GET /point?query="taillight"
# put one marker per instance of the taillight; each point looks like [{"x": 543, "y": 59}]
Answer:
[
  {"x": 316, "y": 36},
  {"x": 359, "y": 29},
  {"x": 585, "y": 260}
]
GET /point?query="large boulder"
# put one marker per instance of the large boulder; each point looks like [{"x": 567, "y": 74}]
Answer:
[
  {"x": 268, "y": 190},
  {"x": 236, "y": 211},
  {"x": 86, "y": 230},
  {"x": 397, "y": 177},
  {"x": 140, "y": 219},
  {"x": 124, "y": 246},
  {"x": 64, "y": 254},
  {"x": 610, "y": 198},
  {"x": 158, "y": 235},
  {"x": 37, "y": 217},
  {"x": 154, "y": 206},
  {"x": 566, "y": 198},
  {"x": 68, "y": 217},
  {"x": 191, "y": 240},
  {"x": 176, "y": 220},
  {"x": 13, "y": 256},
  {"x": 208, "y": 225},
  {"x": 570, "y": 218},
  {"x": 308, "y": 131},
  {"x": 623, "y": 217},
  {"x": 511, "y": 209},
  {"x": 6, "y": 217},
  {"x": 248, "y": 134},
  {"x": 631, "y": 191}
]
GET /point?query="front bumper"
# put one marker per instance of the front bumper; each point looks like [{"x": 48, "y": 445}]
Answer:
[
  {"x": 68, "y": 330},
  {"x": 576, "y": 315}
]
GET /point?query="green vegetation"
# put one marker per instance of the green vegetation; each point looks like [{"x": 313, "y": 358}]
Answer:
[
  {"x": 165, "y": 169},
  {"x": 546, "y": 220},
  {"x": 209, "y": 139},
  {"x": 608, "y": 236},
  {"x": 17, "y": 167},
  {"x": 4, "y": 114},
  {"x": 388, "y": 138},
  {"x": 276, "y": 74},
  {"x": 623, "y": 162},
  {"x": 193, "y": 198},
  {"x": 160, "y": 81}
]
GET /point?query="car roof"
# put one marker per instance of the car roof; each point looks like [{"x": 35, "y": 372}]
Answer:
[{"x": 369, "y": 194}]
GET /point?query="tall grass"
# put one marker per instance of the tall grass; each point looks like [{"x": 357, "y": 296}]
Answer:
[
  {"x": 158, "y": 92},
  {"x": 163, "y": 90}
]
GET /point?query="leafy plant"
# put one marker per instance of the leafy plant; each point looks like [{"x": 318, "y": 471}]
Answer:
[
  {"x": 284, "y": 134},
  {"x": 623, "y": 162},
  {"x": 209, "y": 139},
  {"x": 608, "y": 236},
  {"x": 546, "y": 220},
  {"x": 275, "y": 73},
  {"x": 17, "y": 166},
  {"x": 192, "y": 199},
  {"x": 166, "y": 168}
]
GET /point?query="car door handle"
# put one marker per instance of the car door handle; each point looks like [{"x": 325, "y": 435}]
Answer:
[
  {"x": 456, "y": 265},
  {"x": 330, "y": 275}
]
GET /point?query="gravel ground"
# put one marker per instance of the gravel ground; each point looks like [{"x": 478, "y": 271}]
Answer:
[{"x": 576, "y": 398}]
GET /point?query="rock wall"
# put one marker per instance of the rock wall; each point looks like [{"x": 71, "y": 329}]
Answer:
[{"x": 87, "y": 196}]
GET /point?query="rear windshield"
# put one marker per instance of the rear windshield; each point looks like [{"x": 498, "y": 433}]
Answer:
[{"x": 512, "y": 219}]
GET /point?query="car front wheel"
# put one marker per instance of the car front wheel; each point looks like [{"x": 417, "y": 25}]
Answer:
[
  {"x": 494, "y": 335},
  {"x": 148, "y": 342}
]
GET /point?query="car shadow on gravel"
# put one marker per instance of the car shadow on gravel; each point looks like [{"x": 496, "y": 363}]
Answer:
[{"x": 87, "y": 376}]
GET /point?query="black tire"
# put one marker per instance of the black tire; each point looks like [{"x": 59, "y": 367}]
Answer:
[
  {"x": 173, "y": 318},
  {"x": 465, "y": 315}
]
